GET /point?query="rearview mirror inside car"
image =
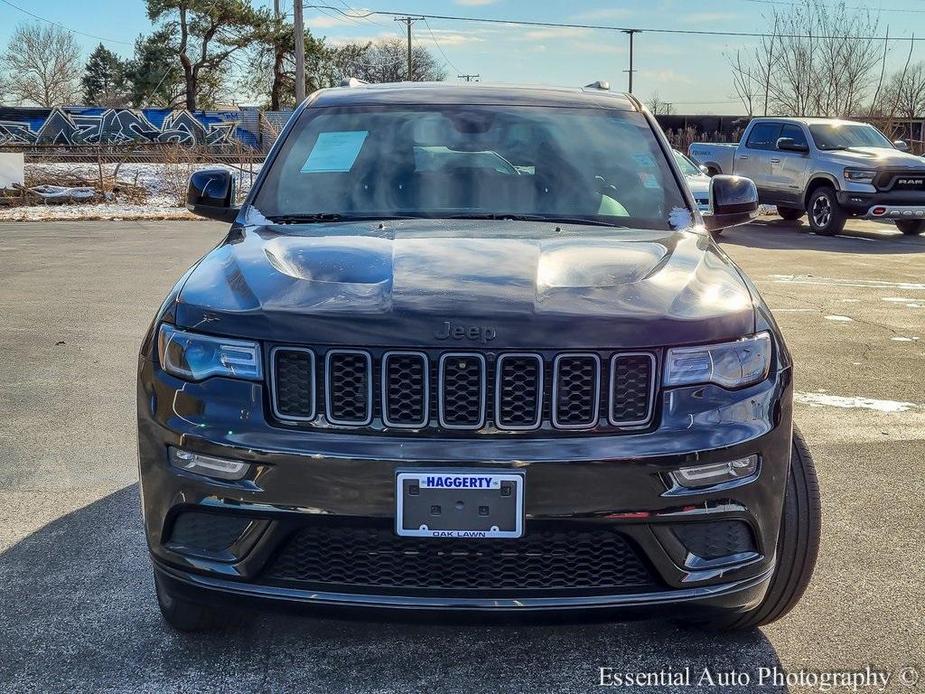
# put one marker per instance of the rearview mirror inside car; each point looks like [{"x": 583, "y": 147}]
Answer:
[
  {"x": 734, "y": 201},
  {"x": 211, "y": 194},
  {"x": 788, "y": 144}
]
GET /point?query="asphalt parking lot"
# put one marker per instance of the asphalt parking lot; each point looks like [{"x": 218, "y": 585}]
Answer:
[{"x": 77, "y": 607}]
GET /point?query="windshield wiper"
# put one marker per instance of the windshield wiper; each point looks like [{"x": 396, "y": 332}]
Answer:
[
  {"x": 320, "y": 217},
  {"x": 533, "y": 218}
]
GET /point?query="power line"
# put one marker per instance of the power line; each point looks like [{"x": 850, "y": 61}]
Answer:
[
  {"x": 874, "y": 10},
  {"x": 455, "y": 69},
  {"x": 607, "y": 27},
  {"x": 66, "y": 28}
]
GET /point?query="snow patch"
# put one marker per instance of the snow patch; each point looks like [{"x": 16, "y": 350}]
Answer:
[
  {"x": 839, "y": 319},
  {"x": 825, "y": 400}
]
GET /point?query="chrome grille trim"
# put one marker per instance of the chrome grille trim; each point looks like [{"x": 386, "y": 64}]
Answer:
[
  {"x": 653, "y": 380},
  {"x": 441, "y": 391},
  {"x": 499, "y": 365},
  {"x": 596, "y": 404},
  {"x": 385, "y": 389},
  {"x": 274, "y": 395},
  {"x": 369, "y": 387}
]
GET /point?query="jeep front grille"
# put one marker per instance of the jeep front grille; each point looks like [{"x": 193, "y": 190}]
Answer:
[
  {"x": 463, "y": 391},
  {"x": 349, "y": 387}
]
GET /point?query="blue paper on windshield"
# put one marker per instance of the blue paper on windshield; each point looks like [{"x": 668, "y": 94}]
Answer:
[{"x": 335, "y": 152}]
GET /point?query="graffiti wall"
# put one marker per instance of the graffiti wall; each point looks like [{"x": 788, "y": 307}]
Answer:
[{"x": 90, "y": 126}]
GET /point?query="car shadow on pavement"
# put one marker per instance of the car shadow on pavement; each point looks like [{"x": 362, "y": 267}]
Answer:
[
  {"x": 780, "y": 234},
  {"x": 79, "y": 613}
]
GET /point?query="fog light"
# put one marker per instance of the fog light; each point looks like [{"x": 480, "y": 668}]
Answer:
[
  {"x": 220, "y": 468},
  {"x": 716, "y": 473}
]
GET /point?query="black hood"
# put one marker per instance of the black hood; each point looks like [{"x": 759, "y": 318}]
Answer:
[{"x": 504, "y": 283}]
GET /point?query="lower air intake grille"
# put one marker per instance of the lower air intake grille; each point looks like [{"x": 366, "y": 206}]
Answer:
[
  {"x": 349, "y": 387},
  {"x": 210, "y": 532},
  {"x": 715, "y": 539},
  {"x": 363, "y": 558},
  {"x": 631, "y": 385}
]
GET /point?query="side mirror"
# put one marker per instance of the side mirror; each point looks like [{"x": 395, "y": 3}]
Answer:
[
  {"x": 211, "y": 194},
  {"x": 788, "y": 144},
  {"x": 704, "y": 169},
  {"x": 734, "y": 201},
  {"x": 901, "y": 145}
]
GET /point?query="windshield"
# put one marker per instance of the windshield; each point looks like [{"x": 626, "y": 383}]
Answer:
[
  {"x": 845, "y": 135},
  {"x": 688, "y": 168},
  {"x": 582, "y": 165}
]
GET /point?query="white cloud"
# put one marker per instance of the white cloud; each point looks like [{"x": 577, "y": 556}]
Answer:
[
  {"x": 323, "y": 22},
  {"x": 553, "y": 33},
  {"x": 605, "y": 13},
  {"x": 708, "y": 17},
  {"x": 662, "y": 76}
]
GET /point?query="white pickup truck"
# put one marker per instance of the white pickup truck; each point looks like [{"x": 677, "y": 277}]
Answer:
[{"x": 832, "y": 169}]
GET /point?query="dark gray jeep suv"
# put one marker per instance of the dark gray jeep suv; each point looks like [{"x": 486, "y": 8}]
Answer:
[{"x": 472, "y": 349}]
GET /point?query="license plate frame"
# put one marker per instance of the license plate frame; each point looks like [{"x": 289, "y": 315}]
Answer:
[{"x": 414, "y": 515}]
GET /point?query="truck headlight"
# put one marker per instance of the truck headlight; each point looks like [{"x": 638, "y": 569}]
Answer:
[
  {"x": 860, "y": 175},
  {"x": 729, "y": 364},
  {"x": 194, "y": 357}
]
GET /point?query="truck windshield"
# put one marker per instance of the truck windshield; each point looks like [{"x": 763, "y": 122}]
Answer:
[
  {"x": 578, "y": 165},
  {"x": 845, "y": 135}
]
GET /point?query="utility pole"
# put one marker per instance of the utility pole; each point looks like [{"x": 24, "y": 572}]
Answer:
[
  {"x": 276, "y": 8},
  {"x": 408, "y": 21},
  {"x": 631, "y": 70},
  {"x": 299, "y": 29},
  {"x": 468, "y": 78}
]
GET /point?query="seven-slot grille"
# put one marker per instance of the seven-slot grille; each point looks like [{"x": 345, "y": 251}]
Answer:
[{"x": 515, "y": 391}]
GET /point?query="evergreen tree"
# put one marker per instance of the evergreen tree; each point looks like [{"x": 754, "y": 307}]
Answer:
[
  {"x": 203, "y": 35},
  {"x": 103, "y": 81}
]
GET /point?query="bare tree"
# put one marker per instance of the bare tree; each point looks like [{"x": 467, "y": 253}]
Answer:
[
  {"x": 658, "y": 107},
  {"x": 904, "y": 94},
  {"x": 42, "y": 63},
  {"x": 387, "y": 61},
  {"x": 817, "y": 61},
  {"x": 743, "y": 81}
]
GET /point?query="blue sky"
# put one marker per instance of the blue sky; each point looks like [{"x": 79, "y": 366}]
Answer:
[{"x": 690, "y": 72}]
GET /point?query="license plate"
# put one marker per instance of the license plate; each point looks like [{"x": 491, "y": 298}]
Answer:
[{"x": 471, "y": 504}]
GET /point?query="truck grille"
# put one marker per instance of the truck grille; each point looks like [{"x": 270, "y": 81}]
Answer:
[
  {"x": 338, "y": 558},
  {"x": 473, "y": 391}
]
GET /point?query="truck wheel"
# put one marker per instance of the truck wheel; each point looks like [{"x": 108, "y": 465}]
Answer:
[
  {"x": 184, "y": 615},
  {"x": 826, "y": 217},
  {"x": 797, "y": 545},
  {"x": 791, "y": 214},
  {"x": 911, "y": 226}
]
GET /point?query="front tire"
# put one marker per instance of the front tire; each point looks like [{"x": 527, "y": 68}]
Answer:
[
  {"x": 826, "y": 217},
  {"x": 911, "y": 226},
  {"x": 185, "y": 615},
  {"x": 797, "y": 545},
  {"x": 791, "y": 214}
]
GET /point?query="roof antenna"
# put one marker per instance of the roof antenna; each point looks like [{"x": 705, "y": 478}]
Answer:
[
  {"x": 599, "y": 84},
  {"x": 352, "y": 82}
]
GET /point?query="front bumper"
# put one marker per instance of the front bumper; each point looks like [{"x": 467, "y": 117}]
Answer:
[
  {"x": 895, "y": 204},
  {"x": 613, "y": 482}
]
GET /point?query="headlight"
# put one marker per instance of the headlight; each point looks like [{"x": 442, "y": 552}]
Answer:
[
  {"x": 860, "y": 175},
  {"x": 730, "y": 364},
  {"x": 195, "y": 357}
]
